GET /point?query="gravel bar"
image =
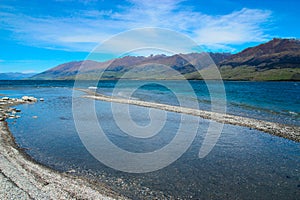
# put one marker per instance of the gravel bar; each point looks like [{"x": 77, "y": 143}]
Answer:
[{"x": 282, "y": 130}]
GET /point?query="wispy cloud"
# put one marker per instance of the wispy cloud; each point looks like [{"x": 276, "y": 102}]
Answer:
[
  {"x": 90, "y": 27},
  {"x": 235, "y": 28}
]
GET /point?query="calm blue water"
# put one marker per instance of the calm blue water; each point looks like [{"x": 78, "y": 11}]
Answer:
[
  {"x": 244, "y": 164},
  {"x": 270, "y": 101}
]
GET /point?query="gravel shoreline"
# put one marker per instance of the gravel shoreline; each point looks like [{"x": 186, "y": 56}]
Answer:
[
  {"x": 23, "y": 178},
  {"x": 282, "y": 130}
]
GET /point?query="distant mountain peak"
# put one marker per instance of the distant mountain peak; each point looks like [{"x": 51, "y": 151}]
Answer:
[{"x": 278, "y": 59}]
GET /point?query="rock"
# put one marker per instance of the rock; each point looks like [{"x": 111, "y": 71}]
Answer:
[
  {"x": 71, "y": 171},
  {"x": 25, "y": 98},
  {"x": 5, "y": 98},
  {"x": 9, "y": 110},
  {"x": 32, "y": 99},
  {"x": 18, "y": 110},
  {"x": 29, "y": 99},
  {"x": 42, "y": 99}
]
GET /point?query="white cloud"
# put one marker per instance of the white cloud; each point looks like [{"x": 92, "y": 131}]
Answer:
[
  {"x": 90, "y": 27},
  {"x": 235, "y": 28}
]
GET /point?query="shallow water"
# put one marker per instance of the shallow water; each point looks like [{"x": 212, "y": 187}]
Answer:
[
  {"x": 244, "y": 164},
  {"x": 270, "y": 101}
]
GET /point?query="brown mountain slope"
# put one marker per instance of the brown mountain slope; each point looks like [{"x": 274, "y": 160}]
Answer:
[
  {"x": 277, "y": 53},
  {"x": 278, "y": 59},
  {"x": 143, "y": 67}
]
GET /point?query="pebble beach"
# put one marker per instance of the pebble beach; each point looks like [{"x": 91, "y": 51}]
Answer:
[{"x": 23, "y": 178}]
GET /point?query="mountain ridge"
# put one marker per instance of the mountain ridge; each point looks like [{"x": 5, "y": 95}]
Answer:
[
  {"x": 15, "y": 75},
  {"x": 278, "y": 59},
  {"x": 273, "y": 53}
]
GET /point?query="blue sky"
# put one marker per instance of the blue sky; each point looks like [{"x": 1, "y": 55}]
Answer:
[{"x": 37, "y": 35}]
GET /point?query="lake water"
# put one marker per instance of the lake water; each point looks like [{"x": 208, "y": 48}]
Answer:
[{"x": 244, "y": 164}]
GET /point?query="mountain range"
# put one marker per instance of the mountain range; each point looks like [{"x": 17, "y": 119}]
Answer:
[
  {"x": 278, "y": 59},
  {"x": 15, "y": 76}
]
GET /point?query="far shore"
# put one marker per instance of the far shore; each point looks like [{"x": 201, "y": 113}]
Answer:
[{"x": 282, "y": 130}]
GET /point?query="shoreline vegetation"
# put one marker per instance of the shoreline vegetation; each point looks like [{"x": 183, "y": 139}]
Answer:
[
  {"x": 23, "y": 178},
  {"x": 282, "y": 130}
]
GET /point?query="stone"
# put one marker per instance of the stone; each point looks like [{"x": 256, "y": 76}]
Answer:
[
  {"x": 71, "y": 171},
  {"x": 29, "y": 99},
  {"x": 5, "y": 98},
  {"x": 32, "y": 99},
  {"x": 25, "y": 98}
]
